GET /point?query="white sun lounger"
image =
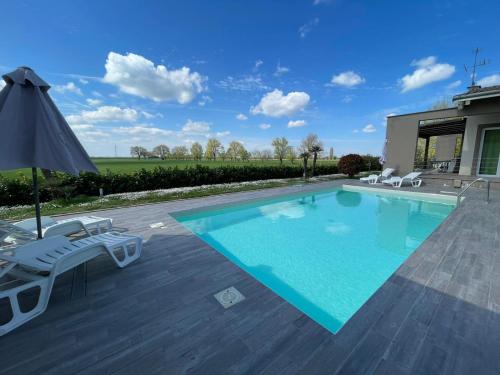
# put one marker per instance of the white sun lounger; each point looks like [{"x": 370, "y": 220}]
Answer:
[
  {"x": 410, "y": 177},
  {"x": 374, "y": 178},
  {"x": 38, "y": 263},
  {"x": 66, "y": 227}
]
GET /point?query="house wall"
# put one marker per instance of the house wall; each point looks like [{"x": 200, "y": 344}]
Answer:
[
  {"x": 402, "y": 134},
  {"x": 480, "y": 115}
]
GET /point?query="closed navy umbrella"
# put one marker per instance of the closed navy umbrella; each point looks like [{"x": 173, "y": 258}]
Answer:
[{"x": 34, "y": 133}]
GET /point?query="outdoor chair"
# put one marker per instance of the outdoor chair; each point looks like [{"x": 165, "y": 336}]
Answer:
[
  {"x": 410, "y": 177},
  {"x": 67, "y": 227},
  {"x": 375, "y": 178},
  {"x": 36, "y": 264}
]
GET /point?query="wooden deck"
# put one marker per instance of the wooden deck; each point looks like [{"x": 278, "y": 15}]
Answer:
[{"x": 438, "y": 314}]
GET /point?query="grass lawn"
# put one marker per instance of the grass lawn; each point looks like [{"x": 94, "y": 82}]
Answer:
[{"x": 130, "y": 165}]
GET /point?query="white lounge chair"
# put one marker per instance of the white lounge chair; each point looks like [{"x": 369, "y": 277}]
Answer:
[
  {"x": 374, "y": 178},
  {"x": 66, "y": 227},
  {"x": 410, "y": 177},
  {"x": 37, "y": 264}
]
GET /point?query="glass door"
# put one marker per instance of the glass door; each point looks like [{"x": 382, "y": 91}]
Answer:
[{"x": 490, "y": 153}]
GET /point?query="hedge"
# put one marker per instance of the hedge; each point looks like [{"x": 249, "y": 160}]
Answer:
[{"x": 19, "y": 191}]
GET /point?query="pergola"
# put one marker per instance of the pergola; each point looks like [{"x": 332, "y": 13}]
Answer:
[{"x": 437, "y": 127}]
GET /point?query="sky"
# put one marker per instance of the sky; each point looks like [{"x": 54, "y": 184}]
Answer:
[{"x": 175, "y": 72}]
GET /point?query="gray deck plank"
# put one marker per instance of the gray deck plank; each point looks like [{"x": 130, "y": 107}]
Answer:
[{"x": 438, "y": 313}]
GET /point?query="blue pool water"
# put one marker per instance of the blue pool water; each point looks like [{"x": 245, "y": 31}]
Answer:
[{"x": 325, "y": 253}]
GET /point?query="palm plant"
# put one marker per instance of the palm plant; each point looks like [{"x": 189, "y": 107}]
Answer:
[
  {"x": 305, "y": 156},
  {"x": 315, "y": 150}
]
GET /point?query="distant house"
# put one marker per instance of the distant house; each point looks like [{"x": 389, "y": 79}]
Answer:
[{"x": 462, "y": 142}]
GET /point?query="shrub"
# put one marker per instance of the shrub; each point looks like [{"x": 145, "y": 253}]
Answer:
[
  {"x": 19, "y": 191},
  {"x": 372, "y": 163},
  {"x": 351, "y": 164}
]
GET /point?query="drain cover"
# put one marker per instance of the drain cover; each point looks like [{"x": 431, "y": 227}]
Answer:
[
  {"x": 229, "y": 297},
  {"x": 157, "y": 225}
]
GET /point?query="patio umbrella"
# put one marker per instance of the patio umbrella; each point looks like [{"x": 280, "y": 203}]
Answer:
[
  {"x": 383, "y": 157},
  {"x": 34, "y": 133}
]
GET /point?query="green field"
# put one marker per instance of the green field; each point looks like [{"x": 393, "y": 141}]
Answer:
[{"x": 130, "y": 165}]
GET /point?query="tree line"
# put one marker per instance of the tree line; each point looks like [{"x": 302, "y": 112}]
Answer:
[{"x": 281, "y": 150}]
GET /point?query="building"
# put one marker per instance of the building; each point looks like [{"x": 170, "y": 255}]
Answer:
[{"x": 458, "y": 143}]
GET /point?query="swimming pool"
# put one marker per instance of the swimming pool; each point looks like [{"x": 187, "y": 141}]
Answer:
[{"x": 326, "y": 252}]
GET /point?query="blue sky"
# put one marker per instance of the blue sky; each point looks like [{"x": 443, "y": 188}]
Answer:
[{"x": 130, "y": 73}]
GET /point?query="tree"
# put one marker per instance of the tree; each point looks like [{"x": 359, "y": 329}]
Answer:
[
  {"x": 332, "y": 155},
  {"x": 313, "y": 146},
  {"x": 161, "y": 151},
  {"x": 179, "y": 152},
  {"x": 291, "y": 154},
  {"x": 235, "y": 150},
  {"x": 351, "y": 164},
  {"x": 315, "y": 150},
  {"x": 304, "y": 156},
  {"x": 280, "y": 148},
  {"x": 222, "y": 153},
  {"x": 256, "y": 154},
  {"x": 213, "y": 149},
  {"x": 310, "y": 141},
  {"x": 266, "y": 154},
  {"x": 441, "y": 104},
  {"x": 245, "y": 155},
  {"x": 196, "y": 151},
  {"x": 138, "y": 151}
]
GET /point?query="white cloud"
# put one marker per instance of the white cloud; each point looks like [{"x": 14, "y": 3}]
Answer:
[
  {"x": 454, "y": 84},
  {"x": 264, "y": 126},
  {"x": 280, "y": 70},
  {"x": 83, "y": 81},
  {"x": 196, "y": 127},
  {"x": 147, "y": 115},
  {"x": 425, "y": 61},
  {"x": 97, "y": 94},
  {"x": 222, "y": 134},
  {"x": 491, "y": 80},
  {"x": 93, "y": 102},
  {"x": 82, "y": 127},
  {"x": 296, "y": 124},
  {"x": 141, "y": 130},
  {"x": 369, "y": 129},
  {"x": 307, "y": 28},
  {"x": 427, "y": 71},
  {"x": 104, "y": 114},
  {"x": 275, "y": 104},
  {"x": 257, "y": 64},
  {"x": 68, "y": 87},
  {"x": 88, "y": 133},
  {"x": 2, "y": 83},
  {"x": 241, "y": 117},
  {"x": 204, "y": 100},
  {"x": 347, "y": 98},
  {"x": 347, "y": 79},
  {"x": 244, "y": 83},
  {"x": 136, "y": 75}
]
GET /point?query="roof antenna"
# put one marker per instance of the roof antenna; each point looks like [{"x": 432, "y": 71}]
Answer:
[{"x": 476, "y": 65}]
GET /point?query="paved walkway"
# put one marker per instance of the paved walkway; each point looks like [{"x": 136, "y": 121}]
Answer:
[{"x": 439, "y": 313}]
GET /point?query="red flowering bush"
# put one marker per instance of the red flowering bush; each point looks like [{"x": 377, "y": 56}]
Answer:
[{"x": 351, "y": 164}]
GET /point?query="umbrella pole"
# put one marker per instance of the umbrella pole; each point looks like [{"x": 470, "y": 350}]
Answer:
[{"x": 37, "y": 203}]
